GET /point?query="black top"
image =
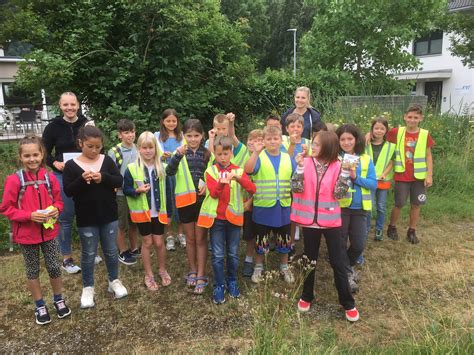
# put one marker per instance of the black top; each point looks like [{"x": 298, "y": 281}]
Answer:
[
  {"x": 95, "y": 203},
  {"x": 60, "y": 136},
  {"x": 311, "y": 117},
  {"x": 376, "y": 149}
]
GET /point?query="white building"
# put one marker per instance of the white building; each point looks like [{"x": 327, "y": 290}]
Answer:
[
  {"x": 448, "y": 84},
  {"x": 8, "y": 70}
]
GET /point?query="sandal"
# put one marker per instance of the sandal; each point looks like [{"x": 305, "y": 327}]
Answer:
[
  {"x": 165, "y": 278},
  {"x": 200, "y": 287},
  {"x": 190, "y": 279},
  {"x": 150, "y": 283}
]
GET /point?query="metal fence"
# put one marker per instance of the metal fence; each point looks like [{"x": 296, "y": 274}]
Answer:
[{"x": 17, "y": 121}]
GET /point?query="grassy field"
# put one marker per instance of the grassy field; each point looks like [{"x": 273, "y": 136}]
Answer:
[{"x": 414, "y": 298}]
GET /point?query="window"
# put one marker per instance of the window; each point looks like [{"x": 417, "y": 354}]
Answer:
[{"x": 430, "y": 44}]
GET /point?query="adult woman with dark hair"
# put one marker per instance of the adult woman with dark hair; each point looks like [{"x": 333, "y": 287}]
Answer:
[
  {"x": 59, "y": 138},
  {"x": 303, "y": 107}
]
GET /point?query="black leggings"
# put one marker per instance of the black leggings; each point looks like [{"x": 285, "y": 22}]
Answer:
[
  {"x": 31, "y": 255},
  {"x": 337, "y": 258}
]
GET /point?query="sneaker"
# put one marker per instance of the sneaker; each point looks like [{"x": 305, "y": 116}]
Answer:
[
  {"x": 287, "y": 276},
  {"x": 378, "y": 235},
  {"x": 218, "y": 294},
  {"x": 97, "y": 260},
  {"x": 353, "y": 286},
  {"x": 233, "y": 289},
  {"x": 127, "y": 258},
  {"x": 360, "y": 260},
  {"x": 117, "y": 289},
  {"x": 136, "y": 253},
  {"x": 42, "y": 315},
  {"x": 392, "y": 232},
  {"x": 87, "y": 297},
  {"x": 291, "y": 254},
  {"x": 182, "y": 240},
  {"x": 352, "y": 315},
  {"x": 62, "y": 309},
  {"x": 247, "y": 270},
  {"x": 170, "y": 242},
  {"x": 70, "y": 267},
  {"x": 303, "y": 306},
  {"x": 411, "y": 236},
  {"x": 257, "y": 275}
]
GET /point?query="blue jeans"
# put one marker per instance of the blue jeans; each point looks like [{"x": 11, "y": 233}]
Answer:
[
  {"x": 65, "y": 219},
  {"x": 225, "y": 239},
  {"x": 90, "y": 236},
  {"x": 379, "y": 199}
]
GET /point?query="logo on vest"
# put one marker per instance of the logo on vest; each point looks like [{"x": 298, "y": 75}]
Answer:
[{"x": 422, "y": 197}]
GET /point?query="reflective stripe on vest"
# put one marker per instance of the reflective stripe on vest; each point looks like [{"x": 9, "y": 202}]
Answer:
[
  {"x": 366, "y": 194},
  {"x": 235, "y": 209},
  {"x": 303, "y": 207},
  {"x": 384, "y": 158},
  {"x": 117, "y": 150},
  {"x": 185, "y": 191},
  {"x": 419, "y": 156},
  {"x": 273, "y": 187},
  {"x": 138, "y": 206},
  {"x": 241, "y": 157}
]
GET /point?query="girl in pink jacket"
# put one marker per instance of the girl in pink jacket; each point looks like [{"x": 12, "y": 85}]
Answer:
[
  {"x": 317, "y": 184},
  {"x": 32, "y": 202}
]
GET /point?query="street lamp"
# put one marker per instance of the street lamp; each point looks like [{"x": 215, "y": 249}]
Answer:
[{"x": 294, "y": 49}]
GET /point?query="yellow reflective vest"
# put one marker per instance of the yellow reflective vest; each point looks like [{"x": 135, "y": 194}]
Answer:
[
  {"x": 384, "y": 158},
  {"x": 366, "y": 194},
  {"x": 420, "y": 167},
  {"x": 138, "y": 206},
  {"x": 273, "y": 186}
]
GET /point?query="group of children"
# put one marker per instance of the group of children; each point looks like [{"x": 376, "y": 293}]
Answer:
[{"x": 271, "y": 186}]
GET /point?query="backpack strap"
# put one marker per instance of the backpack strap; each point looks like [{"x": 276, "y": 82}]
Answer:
[{"x": 24, "y": 183}]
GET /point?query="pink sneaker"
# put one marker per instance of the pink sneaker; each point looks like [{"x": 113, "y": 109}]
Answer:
[
  {"x": 303, "y": 306},
  {"x": 352, "y": 315}
]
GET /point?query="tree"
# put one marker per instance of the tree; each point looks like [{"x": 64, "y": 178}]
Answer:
[
  {"x": 461, "y": 26},
  {"x": 367, "y": 39},
  {"x": 132, "y": 58}
]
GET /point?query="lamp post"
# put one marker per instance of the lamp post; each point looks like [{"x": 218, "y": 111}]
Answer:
[{"x": 294, "y": 49}]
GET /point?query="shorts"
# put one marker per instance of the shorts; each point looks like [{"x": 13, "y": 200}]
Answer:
[
  {"x": 415, "y": 189},
  {"x": 190, "y": 213},
  {"x": 282, "y": 236},
  {"x": 124, "y": 220},
  {"x": 154, "y": 227},
  {"x": 248, "y": 233}
]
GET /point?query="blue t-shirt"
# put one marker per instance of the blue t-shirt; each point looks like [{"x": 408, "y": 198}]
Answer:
[
  {"x": 277, "y": 215},
  {"x": 170, "y": 145}
]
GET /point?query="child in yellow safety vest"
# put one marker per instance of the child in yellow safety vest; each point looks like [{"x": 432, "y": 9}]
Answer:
[
  {"x": 381, "y": 152},
  {"x": 169, "y": 138},
  {"x": 144, "y": 186},
  {"x": 223, "y": 212},
  {"x": 358, "y": 200},
  {"x": 413, "y": 169},
  {"x": 189, "y": 164},
  {"x": 241, "y": 155},
  {"x": 271, "y": 171}
]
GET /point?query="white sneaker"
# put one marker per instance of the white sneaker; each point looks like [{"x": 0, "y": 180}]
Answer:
[
  {"x": 87, "y": 298},
  {"x": 69, "y": 266},
  {"x": 170, "y": 243},
  {"x": 287, "y": 276},
  {"x": 97, "y": 259},
  {"x": 182, "y": 240},
  {"x": 117, "y": 289},
  {"x": 257, "y": 275}
]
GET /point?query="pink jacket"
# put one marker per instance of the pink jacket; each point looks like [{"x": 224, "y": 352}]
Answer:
[
  {"x": 303, "y": 207},
  {"x": 25, "y": 231}
]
